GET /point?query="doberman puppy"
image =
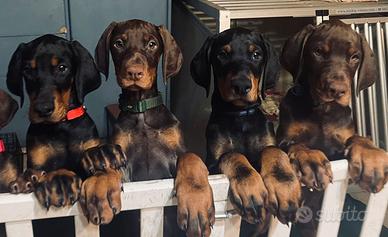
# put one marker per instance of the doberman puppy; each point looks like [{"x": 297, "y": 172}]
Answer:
[
  {"x": 147, "y": 132},
  {"x": 316, "y": 123},
  {"x": 57, "y": 74},
  {"x": 9, "y": 172},
  {"x": 240, "y": 140}
]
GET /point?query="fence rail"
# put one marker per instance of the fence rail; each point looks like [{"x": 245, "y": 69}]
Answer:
[{"x": 17, "y": 211}]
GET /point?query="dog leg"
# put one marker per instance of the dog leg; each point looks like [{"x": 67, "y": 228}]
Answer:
[
  {"x": 196, "y": 212},
  {"x": 284, "y": 189},
  {"x": 368, "y": 164},
  {"x": 247, "y": 191}
]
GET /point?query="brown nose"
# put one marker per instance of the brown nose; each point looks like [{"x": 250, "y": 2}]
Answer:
[
  {"x": 337, "y": 90},
  {"x": 135, "y": 72}
]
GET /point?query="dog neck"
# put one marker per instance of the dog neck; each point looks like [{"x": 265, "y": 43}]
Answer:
[
  {"x": 221, "y": 107},
  {"x": 139, "y": 101}
]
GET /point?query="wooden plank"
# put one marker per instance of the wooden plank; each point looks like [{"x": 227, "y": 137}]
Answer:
[
  {"x": 333, "y": 200},
  {"x": 232, "y": 224},
  {"x": 151, "y": 222},
  {"x": 277, "y": 229},
  {"x": 19, "y": 228},
  {"x": 85, "y": 229},
  {"x": 375, "y": 212}
]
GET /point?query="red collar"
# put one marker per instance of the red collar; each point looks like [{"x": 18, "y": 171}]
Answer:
[
  {"x": 76, "y": 113},
  {"x": 2, "y": 146}
]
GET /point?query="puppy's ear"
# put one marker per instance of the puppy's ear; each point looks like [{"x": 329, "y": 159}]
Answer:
[
  {"x": 15, "y": 73},
  {"x": 87, "y": 78},
  {"x": 272, "y": 66},
  {"x": 200, "y": 67},
  {"x": 172, "y": 55},
  {"x": 101, "y": 53},
  {"x": 292, "y": 53},
  {"x": 8, "y": 108},
  {"x": 367, "y": 74}
]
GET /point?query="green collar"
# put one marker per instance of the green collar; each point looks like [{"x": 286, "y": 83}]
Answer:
[{"x": 140, "y": 106}]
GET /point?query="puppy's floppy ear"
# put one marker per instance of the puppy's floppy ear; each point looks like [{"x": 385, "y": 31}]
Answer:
[
  {"x": 271, "y": 67},
  {"x": 172, "y": 55},
  {"x": 87, "y": 78},
  {"x": 15, "y": 73},
  {"x": 101, "y": 53},
  {"x": 367, "y": 74},
  {"x": 292, "y": 53},
  {"x": 200, "y": 67},
  {"x": 8, "y": 108}
]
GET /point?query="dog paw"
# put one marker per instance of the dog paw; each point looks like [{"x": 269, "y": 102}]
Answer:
[
  {"x": 196, "y": 213},
  {"x": 312, "y": 166},
  {"x": 58, "y": 188},
  {"x": 100, "y": 196},
  {"x": 284, "y": 188},
  {"x": 104, "y": 156},
  {"x": 248, "y": 195},
  {"x": 368, "y": 164},
  {"x": 25, "y": 182}
]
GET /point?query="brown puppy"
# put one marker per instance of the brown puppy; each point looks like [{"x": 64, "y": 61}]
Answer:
[
  {"x": 148, "y": 134},
  {"x": 316, "y": 123}
]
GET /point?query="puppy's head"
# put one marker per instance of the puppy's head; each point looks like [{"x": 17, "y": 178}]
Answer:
[
  {"x": 57, "y": 73},
  {"x": 244, "y": 66},
  {"x": 136, "y": 47},
  {"x": 326, "y": 58},
  {"x": 8, "y": 108}
]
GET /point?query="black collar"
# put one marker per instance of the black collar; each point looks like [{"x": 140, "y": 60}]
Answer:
[{"x": 252, "y": 109}]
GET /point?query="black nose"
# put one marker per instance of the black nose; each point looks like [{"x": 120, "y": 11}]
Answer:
[
  {"x": 44, "y": 109},
  {"x": 241, "y": 86}
]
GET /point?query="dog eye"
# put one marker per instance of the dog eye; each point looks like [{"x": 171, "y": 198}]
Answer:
[
  {"x": 119, "y": 44},
  {"x": 223, "y": 54},
  {"x": 256, "y": 55},
  {"x": 355, "y": 57},
  {"x": 318, "y": 52},
  {"x": 152, "y": 44},
  {"x": 62, "y": 68}
]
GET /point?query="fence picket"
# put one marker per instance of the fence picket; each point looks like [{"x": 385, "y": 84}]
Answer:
[
  {"x": 85, "y": 229},
  {"x": 333, "y": 200},
  {"x": 19, "y": 228},
  {"x": 375, "y": 212},
  {"x": 151, "y": 223}
]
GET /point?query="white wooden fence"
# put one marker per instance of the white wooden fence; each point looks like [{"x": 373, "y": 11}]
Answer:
[{"x": 17, "y": 211}]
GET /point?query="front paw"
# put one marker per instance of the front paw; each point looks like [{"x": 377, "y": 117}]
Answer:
[
  {"x": 196, "y": 213},
  {"x": 284, "y": 189},
  {"x": 103, "y": 156},
  {"x": 248, "y": 195},
  {"x": 25, "y": 182},
  {"x": 368, "y": 164},
  {"x": 100, "y": 196},
  {"x": 312, "y": 166},
  {"x": 58, "y": 188}
]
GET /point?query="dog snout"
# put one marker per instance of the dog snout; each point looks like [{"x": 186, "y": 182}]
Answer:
[
  {"x": 337, "y": 90},
  {"x": 241, "y": 86},
  {"x": 135, "y": 72},
  {"x": 44, "y": 109}
]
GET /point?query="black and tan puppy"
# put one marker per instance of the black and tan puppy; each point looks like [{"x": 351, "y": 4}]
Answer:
[
  {"x": 9, "y": 172},
  {"x": 240, "y": 140},
  {"x": 57, "y": 74},
  {"x": 316, "y": 123},
  {"x": 148, "y": 133}
]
